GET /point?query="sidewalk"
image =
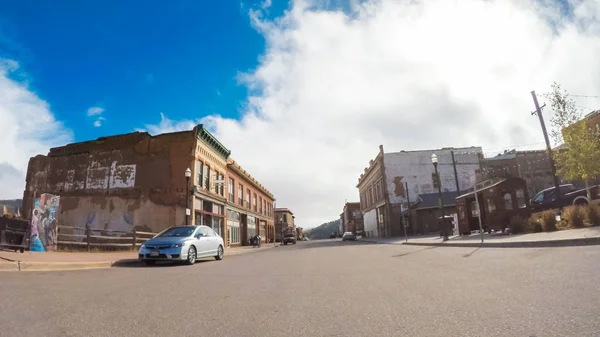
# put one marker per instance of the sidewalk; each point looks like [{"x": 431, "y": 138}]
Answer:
[
  {"x": 36, "y": 261},
  {"x": 565, "y": 238}
]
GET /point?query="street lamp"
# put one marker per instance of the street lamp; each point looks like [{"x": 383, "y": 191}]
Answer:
[
  {"x": 188, "y": 174},
  {"x": 434, "y": 160}
]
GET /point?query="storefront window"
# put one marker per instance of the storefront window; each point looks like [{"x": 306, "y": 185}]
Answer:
[
  {"x": 233, "y": 227},
  {"x": 251, "y": 226}
]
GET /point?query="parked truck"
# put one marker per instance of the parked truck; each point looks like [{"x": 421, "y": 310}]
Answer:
[{"x": 547, "y": 199}]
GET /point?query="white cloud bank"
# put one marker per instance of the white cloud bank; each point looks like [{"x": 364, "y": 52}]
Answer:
[
  {"x": 27, "y": 128},
  {"x": 332, "y": 86}
]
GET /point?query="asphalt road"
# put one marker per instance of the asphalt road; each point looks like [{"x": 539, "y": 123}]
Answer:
[{"x": 326, "y": 288}]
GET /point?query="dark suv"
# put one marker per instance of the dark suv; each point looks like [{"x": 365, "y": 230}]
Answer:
[{"x": 289, "y": 238}]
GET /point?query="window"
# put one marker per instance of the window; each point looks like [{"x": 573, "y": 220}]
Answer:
[
  {"x": 199, "y": 169},
  {"x": 254, "y": 202},
  {"x": 285, "y": 218},
  {"x": 233, "y": 227},
  {"x": 251, "y": 226},
  {"x": 221, "y": 186},
  {"x": 230, "y": 187},
  {"x": 248, "y": 199},
  {"x": 474, "y": 209},
  {"x": 491, "y": 205},
  {"x": 521, "y": 203},
  {"x": 508, "y": 201},
  {"x": 260, "y": 205},
  {"x": 241, "y": 194},
  {"x": 461, "y": 211},
  {"x": 207, "y": 177},
  {"x": 539, "y": 197}
]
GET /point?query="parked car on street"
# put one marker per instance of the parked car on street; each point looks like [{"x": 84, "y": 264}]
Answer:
[
  {"x": 570, "y": 195},
  {"x": 348, "y": 236},
  {"x": 289, "y": 238},
  {"x": 182, "y": 243}
]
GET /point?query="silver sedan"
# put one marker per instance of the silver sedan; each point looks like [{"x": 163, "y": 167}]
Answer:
[{"x": 183, "y": 243}]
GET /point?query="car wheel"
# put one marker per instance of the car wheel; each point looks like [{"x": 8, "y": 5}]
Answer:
[
  {"x": 191, "y": 256},
  {"x": 219, "y": 253},
  {"x": 149, "y": 262}
]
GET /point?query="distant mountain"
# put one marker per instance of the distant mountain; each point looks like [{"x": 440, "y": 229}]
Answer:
[
  {"x": 323, "y": 231},
  {"x": 11, "y": 204}
]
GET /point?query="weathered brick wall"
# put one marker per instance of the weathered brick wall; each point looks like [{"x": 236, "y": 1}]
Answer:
[{"x": 119, "y": 182}]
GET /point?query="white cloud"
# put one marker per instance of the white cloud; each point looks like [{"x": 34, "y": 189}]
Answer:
[
  {"x": 167, "y": 125},
  {"x": 94, "y": 111},
  {"x": 98, "y": 122},
  {"x": 266, "y": 4},
  {"x": 27, "y": 128},
  {"x": 97, "y": 112},
  {"x": 333, "y": 85}
]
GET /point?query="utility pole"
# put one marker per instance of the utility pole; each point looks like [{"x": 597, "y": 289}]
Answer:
[
  {"x": 538, "y": 111},
  {"x": 407, "y": 209},
  {"x": 455, "y": 174}
]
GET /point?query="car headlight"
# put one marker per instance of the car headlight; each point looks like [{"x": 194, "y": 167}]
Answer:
[
  {"x": 143, "y": 246},
  {"x": 177, "y": 245}
]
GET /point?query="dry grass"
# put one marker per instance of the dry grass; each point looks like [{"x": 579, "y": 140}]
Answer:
[
  {"x": 534, "y": 223},
  {"x": 574, "y": 216},
  {"x": 592, "y": 215},
  {"x": 548, "y": 221}
]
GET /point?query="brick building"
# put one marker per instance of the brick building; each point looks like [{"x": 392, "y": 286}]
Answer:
[
  {"x": 249, "y": 207},
  {"x": 284, "y": 222},
  {"x": 351, "y": 218},
  {"x": 383, "y": 184},
  {"x": 135, "y": 181}
]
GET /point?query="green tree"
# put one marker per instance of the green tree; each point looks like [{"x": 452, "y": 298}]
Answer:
[{"x": 579, "y": 156}]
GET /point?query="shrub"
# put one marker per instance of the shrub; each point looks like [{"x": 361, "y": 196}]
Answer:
[
  {"x": 534, "y": 223},
  {"x": 592, "y": 215},
  {"x": 574, "y": 216},
  {"x": 548, "y": 221},
  {"x": 517, "y": 225}
]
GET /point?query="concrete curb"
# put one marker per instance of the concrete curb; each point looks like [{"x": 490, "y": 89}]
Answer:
[
  {"x": 11, "y": 265},
  {"x": 517, "y": 244}
]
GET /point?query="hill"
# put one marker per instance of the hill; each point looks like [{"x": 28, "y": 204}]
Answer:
[
  {"x": 323, "y": 231},
  {"x": 11, "y": 204}
]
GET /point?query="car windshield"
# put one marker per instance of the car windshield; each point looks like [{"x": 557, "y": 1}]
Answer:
[{"x": 178, "y": 231}]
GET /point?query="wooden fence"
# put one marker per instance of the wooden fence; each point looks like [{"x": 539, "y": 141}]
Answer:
[{"x": 93, "y": 237}]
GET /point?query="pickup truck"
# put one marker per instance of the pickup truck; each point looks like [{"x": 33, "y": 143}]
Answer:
[{"x": 546, "y": 199}]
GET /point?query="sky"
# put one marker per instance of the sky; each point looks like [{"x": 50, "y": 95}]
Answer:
[{"x": 302, "y": 92}]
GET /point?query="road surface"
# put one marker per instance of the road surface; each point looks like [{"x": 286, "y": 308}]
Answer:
[{"x": 319, "y": 288}]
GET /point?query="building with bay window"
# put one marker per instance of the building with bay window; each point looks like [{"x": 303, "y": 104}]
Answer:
[{"x": 249, "y": 207}]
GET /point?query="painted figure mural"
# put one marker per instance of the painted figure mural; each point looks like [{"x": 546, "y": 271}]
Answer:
[{"x": 44, "y": 222}]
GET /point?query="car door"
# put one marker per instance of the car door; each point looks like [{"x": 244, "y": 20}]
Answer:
[
  {"x": 203, "y": 239},
  {"x": 213, "y": 239}
]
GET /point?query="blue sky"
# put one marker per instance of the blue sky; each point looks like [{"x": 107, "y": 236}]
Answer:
[{"x": 132, "y": 59}]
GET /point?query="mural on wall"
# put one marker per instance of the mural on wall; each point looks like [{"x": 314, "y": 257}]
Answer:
[
  {"x": 110, "y": 221},
  {"x": 44, "y": 222}
]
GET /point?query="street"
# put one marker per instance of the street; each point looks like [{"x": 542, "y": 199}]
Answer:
[{"x": 319, "y": 288}]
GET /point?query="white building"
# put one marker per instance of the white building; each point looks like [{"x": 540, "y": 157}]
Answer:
[{"x": 383, "y": 184}]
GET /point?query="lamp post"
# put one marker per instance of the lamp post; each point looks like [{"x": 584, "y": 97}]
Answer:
[
  {"x": 434, "y": 160},
  {"x": 188, "y": 174}
]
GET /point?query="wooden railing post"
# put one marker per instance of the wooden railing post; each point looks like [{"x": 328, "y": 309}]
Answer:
[
  {"x": 87, "y": 234},
  {"x": 134, "y": 239}
]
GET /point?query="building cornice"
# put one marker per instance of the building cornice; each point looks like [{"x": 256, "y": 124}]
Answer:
[
  {"x": 204, "y": 135},
  {"x": 235, "y": 167},
  {"x": 373, "y": 164}
]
